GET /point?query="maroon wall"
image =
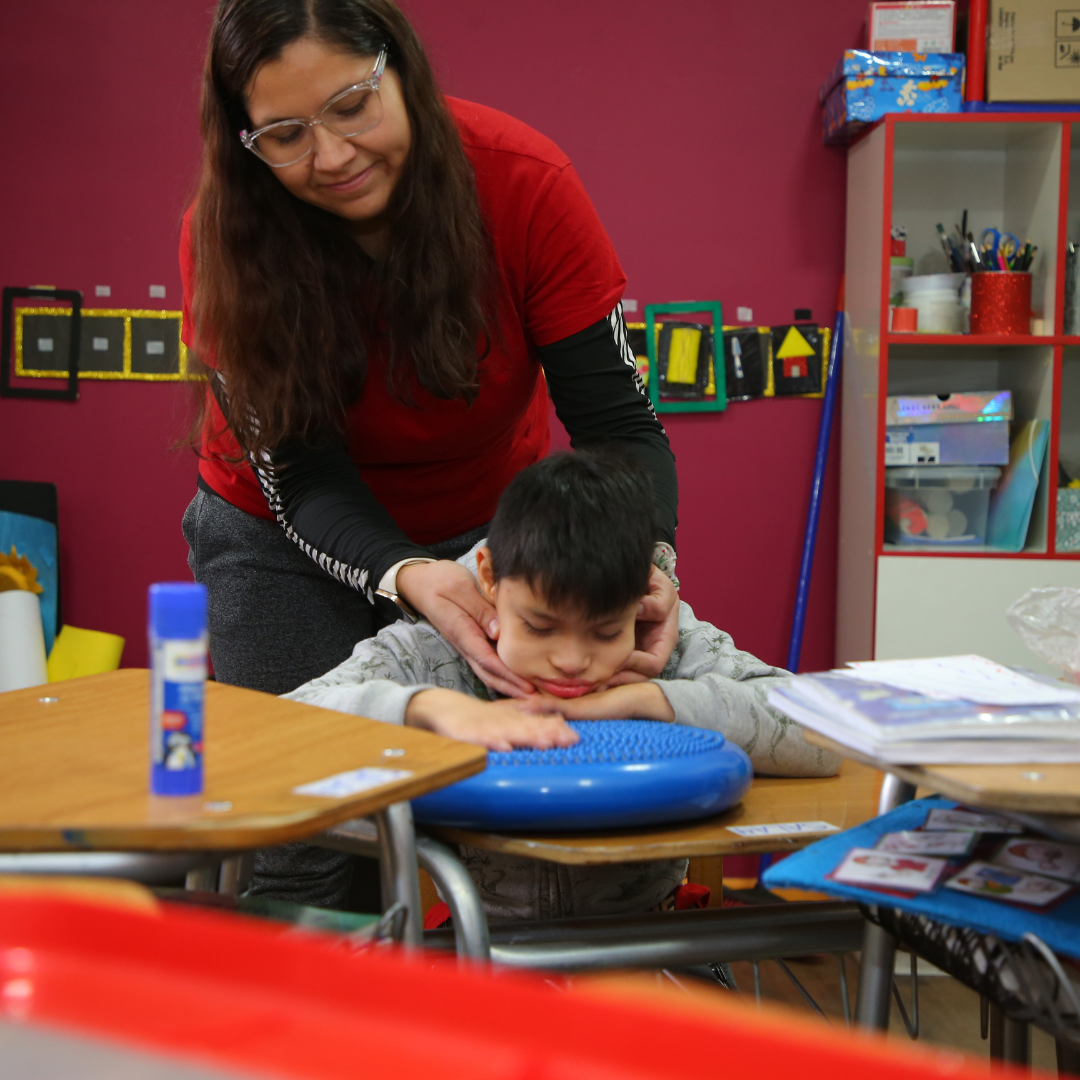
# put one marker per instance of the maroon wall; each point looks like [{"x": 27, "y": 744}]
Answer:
[{"x": 695, "y": 127}]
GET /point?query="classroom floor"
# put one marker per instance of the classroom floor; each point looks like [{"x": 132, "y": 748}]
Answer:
[{"x": 948, "y": 1010}]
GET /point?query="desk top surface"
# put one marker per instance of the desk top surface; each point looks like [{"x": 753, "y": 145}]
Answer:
[
  {"x": 1033, "y": 789},
  {"x": 76, "y": 769},
  {"x": 844, "y": 800}
]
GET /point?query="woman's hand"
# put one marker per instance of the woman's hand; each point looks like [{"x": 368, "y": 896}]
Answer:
[
  {"x": 656, "y": 632},
  {"x": 498, "y": 725},
  {"x": 445, "y": 593}
]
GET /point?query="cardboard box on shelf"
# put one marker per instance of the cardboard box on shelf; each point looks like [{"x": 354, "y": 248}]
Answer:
[
  {"x": 912, "y": 26},
  {"x": 865, "y": 86},
  {"x": 969, "y": 408},
  {"x": 948, "y": 444},
  {"x": 1034, "y": 51}
]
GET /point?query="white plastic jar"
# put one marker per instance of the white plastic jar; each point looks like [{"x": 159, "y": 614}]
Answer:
[{"x": 937, "y": 299}]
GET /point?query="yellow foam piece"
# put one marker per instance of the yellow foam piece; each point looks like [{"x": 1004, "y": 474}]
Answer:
[
  {"x": 794, "y": 345},
  {"x": 683, "y": 355},
  {"x": 83, "y": 652}
]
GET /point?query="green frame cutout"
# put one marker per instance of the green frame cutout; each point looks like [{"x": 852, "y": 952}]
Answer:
[{"x": 719, "y": 404}]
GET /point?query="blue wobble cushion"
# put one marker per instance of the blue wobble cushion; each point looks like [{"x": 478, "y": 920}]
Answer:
[{"x": 621, "y": 773}]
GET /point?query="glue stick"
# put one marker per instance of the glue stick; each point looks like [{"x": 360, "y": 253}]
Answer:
[{"x": 178, "y": 642}]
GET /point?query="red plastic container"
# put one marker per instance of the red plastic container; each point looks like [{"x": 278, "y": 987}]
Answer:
[
  {"x": 905, "y": 320},
  {"x": 1001, "y": 303},
  {"x": 236, "y": 993}
]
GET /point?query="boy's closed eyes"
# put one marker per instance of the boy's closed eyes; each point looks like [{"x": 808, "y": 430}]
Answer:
[
  {"x": 569, "y": 656},
  {"x": 560, "y": 649}
]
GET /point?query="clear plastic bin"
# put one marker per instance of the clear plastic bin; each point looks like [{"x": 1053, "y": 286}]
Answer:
[{"x": 938, "y": 504}]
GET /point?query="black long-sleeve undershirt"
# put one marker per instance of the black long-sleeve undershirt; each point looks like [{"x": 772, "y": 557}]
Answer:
[
  {"x": 324, "y": 505},
  {"x": 598, "y": 395}
]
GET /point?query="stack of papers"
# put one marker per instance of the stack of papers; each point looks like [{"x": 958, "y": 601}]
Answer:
[{"x": 955, "y": 710}]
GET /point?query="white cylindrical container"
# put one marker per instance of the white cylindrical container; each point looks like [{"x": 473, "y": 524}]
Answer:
[
  {"x": 937, "y": 299},
  {"x": 22, "y": 641},
  {"x": 900, "y": 269}
]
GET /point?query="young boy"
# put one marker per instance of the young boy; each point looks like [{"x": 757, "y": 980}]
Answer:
[{"x": 566, "y": 562}]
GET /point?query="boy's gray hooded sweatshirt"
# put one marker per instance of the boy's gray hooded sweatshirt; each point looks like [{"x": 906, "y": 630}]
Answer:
[{"x": 709, "y": 684}]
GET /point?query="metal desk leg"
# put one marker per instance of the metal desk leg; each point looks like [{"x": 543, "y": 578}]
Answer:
[
  {"x": 1068, "y": 1058},
  {"x": 470, "y": 924},
  {"x": 228, "y": 875},
  {"x": 397, "y": 841},
  {"x": 147, "y": 867},
  {"x": 1010, "y": 1040},
  {"x": 879, "y": 948},
  {"x": 1017, "y": 1042},
  {"x": 236, "y": 871},
  {"x": 203, "y": 878}
]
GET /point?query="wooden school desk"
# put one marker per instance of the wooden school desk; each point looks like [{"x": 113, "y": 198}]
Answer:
[
  {"x": 845, "y": 800},
  {"x": 1044, "y": 797},
  {"x": 76, "y": 780}
]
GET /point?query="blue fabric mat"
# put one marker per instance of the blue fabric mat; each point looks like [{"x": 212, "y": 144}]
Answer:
[{"x": 806, "y": 869}]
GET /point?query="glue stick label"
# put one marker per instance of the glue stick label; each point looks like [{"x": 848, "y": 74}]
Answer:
[{"x": 178, "y": 674}]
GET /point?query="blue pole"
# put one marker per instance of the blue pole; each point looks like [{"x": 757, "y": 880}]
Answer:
[{"x": 836, "y": 354}]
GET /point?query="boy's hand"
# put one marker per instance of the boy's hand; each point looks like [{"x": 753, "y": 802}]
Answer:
[
  {"x": 656, "y": 632},
  {"x": 445, "y": 593},
  {"x": 634, "y": 701},
  {"x": 497, "y": 725}
]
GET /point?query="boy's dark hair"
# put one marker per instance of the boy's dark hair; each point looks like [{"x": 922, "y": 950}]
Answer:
[{"x": 579, "y": 529}]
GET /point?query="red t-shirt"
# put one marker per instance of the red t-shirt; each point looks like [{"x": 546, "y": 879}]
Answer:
[{"x": 439, "y": 469}]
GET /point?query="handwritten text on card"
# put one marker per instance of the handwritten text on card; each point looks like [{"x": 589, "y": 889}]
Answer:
[{"x": 783, "y": 828}]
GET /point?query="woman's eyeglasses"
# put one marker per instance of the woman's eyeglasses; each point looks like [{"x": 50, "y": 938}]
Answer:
[{"x": 352, "y": 112}]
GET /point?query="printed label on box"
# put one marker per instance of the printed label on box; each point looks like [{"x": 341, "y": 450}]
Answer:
[
  {"x": 1068, "y": 24},
  {"x": 1068, "y": 54},
  {"x": 923, "y": 453},
  {"x": 912, "y": 27}
]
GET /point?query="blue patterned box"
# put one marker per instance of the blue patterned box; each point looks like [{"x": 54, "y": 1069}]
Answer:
[
  {"x": 865, "y": 86},
  {"x": 1068, "y": 519}
]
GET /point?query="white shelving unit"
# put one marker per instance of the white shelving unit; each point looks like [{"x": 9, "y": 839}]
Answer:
[{"x": 1017, "y": 172}]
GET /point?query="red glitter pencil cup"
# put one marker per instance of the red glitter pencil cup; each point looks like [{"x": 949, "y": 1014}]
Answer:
[{"x": 1000, "y": 303}]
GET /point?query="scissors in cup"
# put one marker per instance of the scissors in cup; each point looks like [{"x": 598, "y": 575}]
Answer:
[{"x": 997, "y": 243}]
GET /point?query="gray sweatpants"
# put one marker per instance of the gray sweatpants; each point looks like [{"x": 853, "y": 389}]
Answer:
[{"x": 276, "y": 620}]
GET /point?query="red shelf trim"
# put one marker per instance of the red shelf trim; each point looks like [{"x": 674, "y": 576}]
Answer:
[
  {"x": 893, "y": 553},
  {"x": 979, "y": 339},
  {"x": 983, "y": 117}
]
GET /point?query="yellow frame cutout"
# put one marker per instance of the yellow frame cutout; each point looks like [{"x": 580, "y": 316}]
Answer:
[{"x": 127, "y": 314}]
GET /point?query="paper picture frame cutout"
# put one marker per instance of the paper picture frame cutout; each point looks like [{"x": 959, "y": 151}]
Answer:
[
  {"x": 746, "y": 361},
  {"x": 685, "y": 363},
  {"x": 139, "y": 344},
  {"x": 800, "y": 357},
  {"x": 709, "y": 393}
]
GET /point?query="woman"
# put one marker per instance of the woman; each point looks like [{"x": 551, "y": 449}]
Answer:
[{"x": 377, "y": 278}]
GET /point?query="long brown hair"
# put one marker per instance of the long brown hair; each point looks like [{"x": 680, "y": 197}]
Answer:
[{"x": 285, "y": 299}]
